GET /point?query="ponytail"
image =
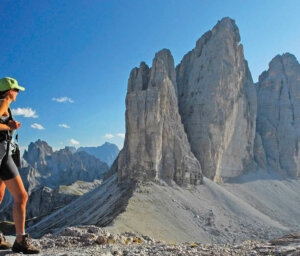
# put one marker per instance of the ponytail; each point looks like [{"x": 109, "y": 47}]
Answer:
[{"x": 2, "y": 94}]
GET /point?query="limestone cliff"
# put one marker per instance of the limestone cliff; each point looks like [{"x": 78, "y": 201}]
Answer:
[
  {"x": 156, "y": 145},
  {"x": 217, "y": 102},
  {"x": 278, "y": 118}
]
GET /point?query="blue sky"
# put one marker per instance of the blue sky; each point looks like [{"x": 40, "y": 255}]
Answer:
[{"x": 74, "y": 57}]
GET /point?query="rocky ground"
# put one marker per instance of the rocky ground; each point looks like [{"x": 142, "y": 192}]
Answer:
[{"x": 93, "y": 240}]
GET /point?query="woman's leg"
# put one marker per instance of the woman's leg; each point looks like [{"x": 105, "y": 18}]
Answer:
[
  {"x": 2, "y": 190},
  {"x": 16, "y": 188}
]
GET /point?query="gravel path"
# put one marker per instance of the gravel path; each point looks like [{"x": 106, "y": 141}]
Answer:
[{"x": 92, "y": 240}]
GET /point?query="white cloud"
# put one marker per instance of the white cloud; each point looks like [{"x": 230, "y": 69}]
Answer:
[
  {"x": 108, "y": 136},
  {"x": 37, "y": 126},
  {"x": 64, "y": 125},
  {"x": 122, "y": 135},
  {"x": 63, "y": 99},
  {"x": 26, "y": 112},
  {"x": 74, "y": 142}
]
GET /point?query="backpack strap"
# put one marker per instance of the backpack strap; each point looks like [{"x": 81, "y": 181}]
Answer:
[
  {"x": 10, "y": 114},
  {"x": 9, "y": 137}
]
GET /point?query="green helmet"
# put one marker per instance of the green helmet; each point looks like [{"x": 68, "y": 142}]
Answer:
[{"x": 8, "y": 83}]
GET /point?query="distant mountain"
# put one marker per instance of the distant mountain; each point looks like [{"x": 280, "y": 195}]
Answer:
[
  {"x": 62, "y": 167},
  {"x": 106, "y": 153},
  {"x": 45, "y": 172},
  {"x": 37, "y": 153},
  {"x": 72, "y": 149}
]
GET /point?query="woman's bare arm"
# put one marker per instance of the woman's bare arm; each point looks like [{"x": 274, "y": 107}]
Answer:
[
  {"x": 4, "y": 104},
  {"x": 4, "y": 127}
]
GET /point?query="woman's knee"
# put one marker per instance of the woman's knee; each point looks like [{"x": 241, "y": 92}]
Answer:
[
  {"x": 2, "y": 190},
  {"x": 16, "y": 188},
  {"x": 21, "y": 198},
  {"x": 1, "y": 196}
]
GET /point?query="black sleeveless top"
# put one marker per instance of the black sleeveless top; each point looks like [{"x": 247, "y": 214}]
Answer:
[{"x": 4, "y": 120}]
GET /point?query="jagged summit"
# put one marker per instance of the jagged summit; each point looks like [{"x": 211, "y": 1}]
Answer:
[
  {"x": 278, "y": 121},
  {"x": 37, "y": 153},
  {"x": 280, "y": 61},
  {"x": 217, "y": 102},
  {"x": 138, "y": 79},
  {"x": 226, "y": 28},
  {"x": 229, "y": 27},
  {"x": 285, "y": 56},
  {"x": 107, "y": 152},
  {"x": 163, "y": 65},
  {"x": 156, "y": 145},
  {"x": 71, "y": 149}
]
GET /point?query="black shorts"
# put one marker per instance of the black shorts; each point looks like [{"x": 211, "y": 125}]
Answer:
[{"x": 8, "y": 169}]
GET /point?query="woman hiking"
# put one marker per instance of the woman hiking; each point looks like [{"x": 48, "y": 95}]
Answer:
[{"x": 9, "y": 174}]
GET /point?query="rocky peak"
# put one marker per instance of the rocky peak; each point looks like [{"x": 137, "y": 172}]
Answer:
[
  {"x": 156, "y": 146},
  {"x": 226, "y": 27},
  {"x": 278, "y": 116},
  {"x": 162, "y": 68},
  {"x": 106, "y": 152},
  {"x": 62, "y": 166},
  {"x": 217, "y": 102},
  {"x": 280, "y": 65},
  {"x": 37, "y": 153},
  {"x": 66, "y": 151},
  {"x": 287, "y": 59},
  {"x": 71, "y": 148},
  {"x": 139, "y": 78}
]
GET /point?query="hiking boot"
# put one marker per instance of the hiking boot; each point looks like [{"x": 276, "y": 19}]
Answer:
[
  {"x": 3, "y": 244},
  {"x": 25, "y": 246}
]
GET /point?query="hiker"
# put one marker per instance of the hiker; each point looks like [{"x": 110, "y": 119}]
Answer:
[{"x": 9, "y": 174}]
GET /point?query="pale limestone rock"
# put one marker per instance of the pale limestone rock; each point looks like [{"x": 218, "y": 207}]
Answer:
[
  {"x": 278, "y": 115},
  {"x": 156, "y": 146},
  {"x": 217, "y": 102},
  {"x": 259, "y": 152}
]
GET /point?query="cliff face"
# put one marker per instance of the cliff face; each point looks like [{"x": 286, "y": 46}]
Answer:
[
  {"x": 156, "y": 145},
  {"x": 278, "y": 118},
  {"x": 217, "y": 102}
]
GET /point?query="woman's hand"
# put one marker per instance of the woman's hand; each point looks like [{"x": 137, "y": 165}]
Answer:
[{"x": 13, "y": 124}]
